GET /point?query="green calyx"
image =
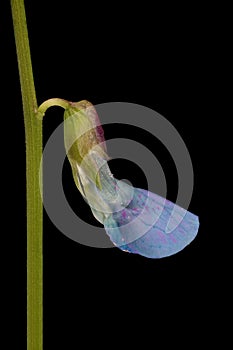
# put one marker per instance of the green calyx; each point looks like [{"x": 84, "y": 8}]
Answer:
[{"x": 83, "y": 138}]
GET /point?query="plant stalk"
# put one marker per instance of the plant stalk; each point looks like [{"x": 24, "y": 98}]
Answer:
[{"x": 33, "y": 137}]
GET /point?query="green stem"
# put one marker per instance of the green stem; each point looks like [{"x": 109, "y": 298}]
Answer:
[{"x": 33, "y": 136}]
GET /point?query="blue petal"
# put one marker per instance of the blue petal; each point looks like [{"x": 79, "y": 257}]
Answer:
[{"x": 151, "y": 226}]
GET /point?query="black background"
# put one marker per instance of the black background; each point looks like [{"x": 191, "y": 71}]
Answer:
[{"x": 159, "y": 58}]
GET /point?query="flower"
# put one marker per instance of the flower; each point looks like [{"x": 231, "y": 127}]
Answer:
[{"x": 136, "y": 220}]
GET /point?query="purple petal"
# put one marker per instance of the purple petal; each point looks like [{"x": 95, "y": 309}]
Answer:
[{"x": 151, "y": 226}]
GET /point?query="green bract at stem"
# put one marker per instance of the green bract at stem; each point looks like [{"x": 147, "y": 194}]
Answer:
[{"x": 33, "y": 138}]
